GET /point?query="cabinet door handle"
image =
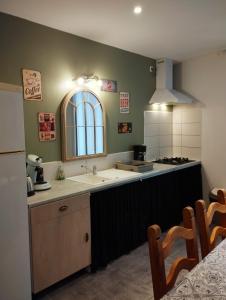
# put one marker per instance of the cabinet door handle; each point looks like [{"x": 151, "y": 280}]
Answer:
[
  {"x": 86, "y": 237},
  {"x": 63, "y": 208}
]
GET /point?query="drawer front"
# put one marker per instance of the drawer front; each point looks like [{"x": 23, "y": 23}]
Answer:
[{"x": 56, "y": 209}]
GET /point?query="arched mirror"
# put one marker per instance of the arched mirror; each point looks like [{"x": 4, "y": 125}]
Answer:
[{"x": 83, "y": 126}]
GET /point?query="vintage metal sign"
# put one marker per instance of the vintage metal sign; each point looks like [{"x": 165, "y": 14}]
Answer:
[
  {"x": 124, "y": 127},
  {"x": 109, "y": 85},
  {"x": 47, "y": 126},
  {"x": 124, "y": 102},
  {"x": 32, "y": 85}
]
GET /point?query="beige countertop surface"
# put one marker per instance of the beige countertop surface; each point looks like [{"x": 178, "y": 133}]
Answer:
[{"x": 67, "y": 187}]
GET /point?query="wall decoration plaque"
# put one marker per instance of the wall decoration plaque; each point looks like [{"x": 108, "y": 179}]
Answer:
[
  {"x": 125, "y": 127},
  {"x": 124, "y": 102},
  {"x": 32, "y": 85},
  {"x": 109, "y": 85},
  {"x": 47, "y": 126}
]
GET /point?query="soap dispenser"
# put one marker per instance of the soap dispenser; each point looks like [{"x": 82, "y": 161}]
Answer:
[{"x": 60, "y": 173}]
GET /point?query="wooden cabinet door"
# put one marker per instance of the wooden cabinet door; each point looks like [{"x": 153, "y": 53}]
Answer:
[{"x": 60, "y": 240}]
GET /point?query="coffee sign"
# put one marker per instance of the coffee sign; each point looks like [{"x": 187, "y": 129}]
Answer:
[{"x": 32, "y": 85}]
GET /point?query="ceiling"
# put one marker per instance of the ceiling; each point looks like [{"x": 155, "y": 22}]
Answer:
[{"x": 178, "y": 29}]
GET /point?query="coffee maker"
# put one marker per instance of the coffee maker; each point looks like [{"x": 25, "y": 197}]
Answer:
[
  {"x": 35, "y": 171},
  {"x": 139, "y": 152}
]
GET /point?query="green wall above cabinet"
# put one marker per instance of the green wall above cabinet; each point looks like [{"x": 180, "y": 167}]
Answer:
[{"x": 60, "y": 56}]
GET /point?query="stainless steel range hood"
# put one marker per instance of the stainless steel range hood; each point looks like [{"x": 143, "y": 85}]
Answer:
[{"x": 164, "y": 93}]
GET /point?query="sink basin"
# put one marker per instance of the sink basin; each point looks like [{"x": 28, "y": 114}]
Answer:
[
  {"x": 89, "y": 179},
  {"x": 104, "y": 176}
]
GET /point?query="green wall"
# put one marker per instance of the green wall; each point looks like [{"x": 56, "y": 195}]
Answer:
[{"x": 60, "y": 56}]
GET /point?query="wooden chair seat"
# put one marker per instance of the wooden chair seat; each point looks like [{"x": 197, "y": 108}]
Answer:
[
  {"x": 208, "y": 236},
  {"x": 160, "y": 249}
]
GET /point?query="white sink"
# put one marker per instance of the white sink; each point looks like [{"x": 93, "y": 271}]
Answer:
[
  {"x": 89, "y": 179},
  {"x": 118, "y": 174},
  {"x": 108, "y": 175}
]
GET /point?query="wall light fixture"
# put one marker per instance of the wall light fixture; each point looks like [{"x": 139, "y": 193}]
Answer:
[{"x": 90, "y": 80}]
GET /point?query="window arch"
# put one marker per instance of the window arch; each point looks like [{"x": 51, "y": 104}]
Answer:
[{"x": 83, "y": 125}]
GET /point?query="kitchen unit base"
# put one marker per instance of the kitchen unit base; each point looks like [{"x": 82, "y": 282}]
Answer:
[
  {"x": 60, "y": 240},
  {"x": 121, "y": 215}
]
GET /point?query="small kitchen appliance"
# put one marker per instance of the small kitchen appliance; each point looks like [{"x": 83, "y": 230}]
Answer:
[
  {"x": 35, "y": 171},
  {"x": 173, "y": 160},
  {"x": 139, "y": 152}
]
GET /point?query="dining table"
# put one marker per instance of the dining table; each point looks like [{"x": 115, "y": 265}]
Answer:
[{"x": 206, "y": 281}]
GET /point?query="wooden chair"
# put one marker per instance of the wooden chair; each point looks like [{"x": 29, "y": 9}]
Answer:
[
  {"x": 159, "y": 250},
  {"x": 204, "y": 217},
  {"x": 221, "y": 196}
]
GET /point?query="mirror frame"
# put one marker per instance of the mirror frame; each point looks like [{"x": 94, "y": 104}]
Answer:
[{"x": 63, "y": 108}]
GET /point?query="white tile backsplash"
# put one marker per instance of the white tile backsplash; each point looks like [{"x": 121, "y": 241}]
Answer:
[
  {"x": 177, "y": 115},
  {"x": 166, "y": 151},
  {"x": 151, "y": 117},
  {"x": 176, "y": 133},
  {"x": 191, "y": 115},
  {"x": 177, "y": 151},
  {"x": 192, "y": 153},
  {"x": 177, "y": 128},
  {"x": 165, "y": 141},
  {"x": 187, "y": 131},
  {"x": 154, "y": 141},
  {"x": 165, "y": 129},
  {"x": 151, "y": 130},
  {"x": 177, "y": 140},
  {"x": 191, "y": 141},
  {"x": 157, "y": 133},
  {"x": 191, "y": 129},
  {"x": 165, "y": 117},
  {"x": 152, "y": 153}
]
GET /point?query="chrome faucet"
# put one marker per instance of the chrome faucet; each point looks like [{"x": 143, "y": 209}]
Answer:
[{"x": 93, "y": 170}]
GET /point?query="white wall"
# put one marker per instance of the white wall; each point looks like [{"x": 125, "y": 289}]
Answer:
[{"x": 205, "y": 79}]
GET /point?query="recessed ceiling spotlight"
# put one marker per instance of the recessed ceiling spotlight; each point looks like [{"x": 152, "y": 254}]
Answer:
[{"x": 137, "y": 9}]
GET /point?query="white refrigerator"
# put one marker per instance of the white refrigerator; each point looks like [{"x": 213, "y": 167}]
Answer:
[{"x": 15, "y": 281}]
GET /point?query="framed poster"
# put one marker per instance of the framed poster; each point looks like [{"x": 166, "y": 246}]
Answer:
[
  {"x": 47, "y": 126},
  {"x": 32, "y": 85},
  {"x": 125, "y": 127},
  {"x": 109, "y": 85},
  {"x": 124, "y": 102}
]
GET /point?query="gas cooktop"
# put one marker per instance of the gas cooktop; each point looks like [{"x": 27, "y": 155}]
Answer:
[{"x": 173, "y": 160}]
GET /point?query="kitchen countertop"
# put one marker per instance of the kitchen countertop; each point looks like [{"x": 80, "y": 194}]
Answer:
[{"x": 67, "y": 188}]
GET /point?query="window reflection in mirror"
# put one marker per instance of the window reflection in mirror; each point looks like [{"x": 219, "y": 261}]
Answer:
[{"x": 83, "y": 126}]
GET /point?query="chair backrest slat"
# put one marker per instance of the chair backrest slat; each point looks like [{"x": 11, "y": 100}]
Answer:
[
  {"x": 221, "y": 196},
  {"x": 209, "y": 236},
  {"x": 159, "y": 250}
]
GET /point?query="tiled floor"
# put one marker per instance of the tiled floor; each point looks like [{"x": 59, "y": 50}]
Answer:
[{"x": 127, "y": 278}]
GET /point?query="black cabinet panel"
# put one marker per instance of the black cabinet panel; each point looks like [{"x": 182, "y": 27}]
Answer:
[
  {"x": 189, "y": 185},
  {"x": 121, "y": 215}
]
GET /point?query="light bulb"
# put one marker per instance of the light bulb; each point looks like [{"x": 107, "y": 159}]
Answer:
[
  {"x": 137, "y": 10},
  {"x": 80, "y": 80},
  {"x": 156, "y": 105},
  {"x": 99, "y": 82},
  {"x": 163, "y": 106},
  {"x": 90, "y": 83}
]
